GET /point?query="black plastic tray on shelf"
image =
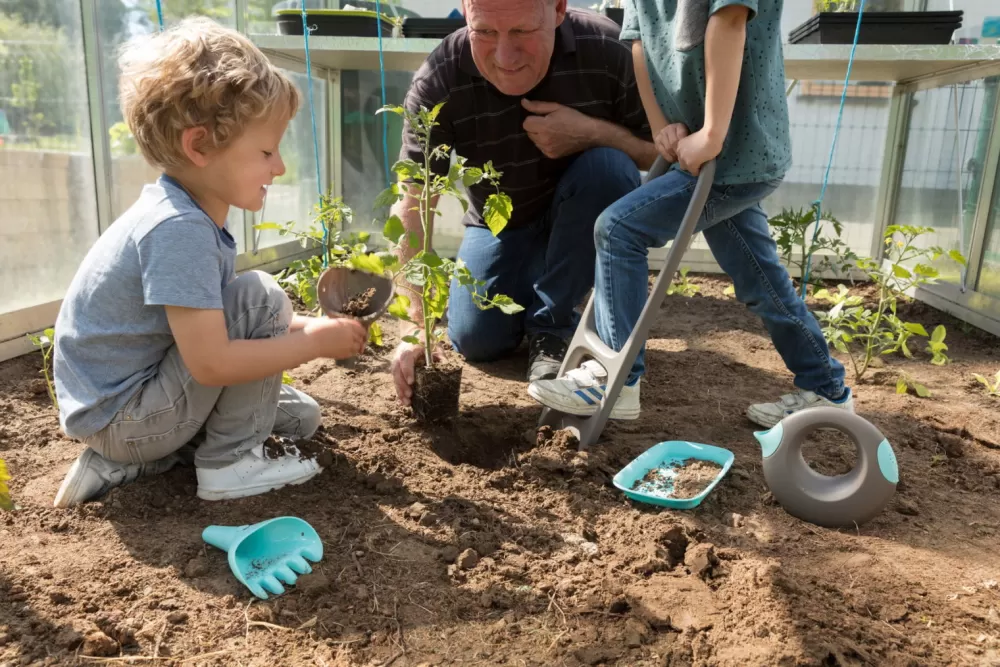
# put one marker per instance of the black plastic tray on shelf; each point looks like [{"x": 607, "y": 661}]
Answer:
[
  {"x": 432, "y": 28},
  {"x": 333, "y": 23},
  {"x": 616, "y": 14},
  {"x": 878, "y": 28}
]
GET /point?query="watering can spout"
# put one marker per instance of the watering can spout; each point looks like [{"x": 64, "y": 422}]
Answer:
[{"x": 769, "y": 440}]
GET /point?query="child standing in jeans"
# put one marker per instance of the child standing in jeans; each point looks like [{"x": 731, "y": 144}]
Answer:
[
  {"x": 712, "y": 80},
  {"x": 158, "y": 344}
]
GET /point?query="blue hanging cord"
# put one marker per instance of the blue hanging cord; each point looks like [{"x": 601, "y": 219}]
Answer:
[
  {"x": 381, "y": 71},
  {"x": 159, "y": 13},
  {"x": 818, "y": 204},
  {"x": 312, "y": 115}
]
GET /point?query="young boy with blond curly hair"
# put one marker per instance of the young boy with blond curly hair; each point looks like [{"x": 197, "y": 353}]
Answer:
[{"x": 159, "y": 345}]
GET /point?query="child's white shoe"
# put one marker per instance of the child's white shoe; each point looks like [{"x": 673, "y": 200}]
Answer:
[
  {"x": 92, "y": 475},
  {"x": 255, "y": 473},
  {"x": 769, "y": 414},
  {"x": 580, "y": 391}
]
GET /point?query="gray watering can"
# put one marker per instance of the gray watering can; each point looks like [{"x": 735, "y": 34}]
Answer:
[{"x": 841, "y": 501}]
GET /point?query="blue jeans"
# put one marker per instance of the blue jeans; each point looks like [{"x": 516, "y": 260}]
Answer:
[
  {"x": 736, "y": 229},
  {"x": 547, "y": 267}
]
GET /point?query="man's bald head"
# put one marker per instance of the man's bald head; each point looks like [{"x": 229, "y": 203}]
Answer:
[{"x": 512, "y": 40}]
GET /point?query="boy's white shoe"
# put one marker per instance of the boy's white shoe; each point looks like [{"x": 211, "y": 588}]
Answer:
[
  {"x": 769, "y": 414},
  {"x": 92, "y": 475},
  {"x": 254, "y": 474},
  {"x": 580, "y": 391}
]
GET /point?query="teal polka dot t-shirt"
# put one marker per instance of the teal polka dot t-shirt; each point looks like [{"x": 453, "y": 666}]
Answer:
[{"x": 757, "y": 148}]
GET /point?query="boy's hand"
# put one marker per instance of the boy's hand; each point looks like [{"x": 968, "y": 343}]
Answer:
[
  {"x": 336, "y": 338},
  {"x": 697, "y": 149},
  {"x": 667, "y": 139}
]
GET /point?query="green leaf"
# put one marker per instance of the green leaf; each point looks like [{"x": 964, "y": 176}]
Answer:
[
  {"x": 939, "y": 333},
  {"x": 412, "y": 340},
  {"x": 497, "y": 212},
  {"x": 841, "y": 346},
  {"x": 50, "y": 333},
  {"x": 393, "y": 229},
  {"x": 369, "y": 263},
  {"x": 375, "y": 334},
  {"x": 925, "y": 271},
  {"x": 901, "y": 386},
  {"x": 922, "y": 391},
  {"x": 265, "y": 226},
  {"x": 506, "y": 304},
  {"x": 400, "y": 307},
  {"x": 957, "y": 256},
  {"x": 916, "y": 328},
  {"x": 429, "y": 259},
  {"x": 413, "y": 240},
  {"x": 408, "y": 169},
  {"x": 901, "y": 271},
  {"x": 392, "y": 108},
  {"x": 286, "y": 378},
  {"x": 472, "y": 176},
  {"x": 387, "y": 197}
]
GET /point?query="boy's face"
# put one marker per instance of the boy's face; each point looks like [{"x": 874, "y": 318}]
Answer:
[
  {"x": 239, "y": 173},
  {"x": 512, "y": 40}
]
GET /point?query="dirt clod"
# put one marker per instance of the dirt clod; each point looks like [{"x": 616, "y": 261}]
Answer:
[
  {"x": 177, "y": 617},
  {"x": 196, "y": 567},
  {"x": 701, "y": 559},
  {"x": 449, "y": 554},
  {"x": 359, "y": 304},
  {"x": 98, "y": 644},
  {"x": 907, "y": 507},
  {"x": 468, "y": 559}
]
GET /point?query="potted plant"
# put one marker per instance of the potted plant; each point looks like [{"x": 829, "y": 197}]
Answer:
[
  {"x": 882, "y": 22},
  {"x": 427, "y": 276}
]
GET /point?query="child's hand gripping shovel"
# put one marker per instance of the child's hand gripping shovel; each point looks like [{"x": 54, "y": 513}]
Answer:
[{"x": 346, "y": 292}]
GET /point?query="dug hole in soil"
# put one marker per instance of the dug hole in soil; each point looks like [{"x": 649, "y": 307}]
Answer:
[{"x": 467, "y": 544}]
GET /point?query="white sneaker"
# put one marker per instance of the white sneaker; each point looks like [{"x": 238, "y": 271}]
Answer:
[
  {"x": 581, "y": 390},
  {"x": 92, "y": 475},
  {"x": 769, "y": 414},
  {"x": 254, "y": 474}
]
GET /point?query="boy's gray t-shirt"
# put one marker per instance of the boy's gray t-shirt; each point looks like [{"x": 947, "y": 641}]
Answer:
[
  {"x": 758, "y": 147},
  {"x": 112, "y": 331}
]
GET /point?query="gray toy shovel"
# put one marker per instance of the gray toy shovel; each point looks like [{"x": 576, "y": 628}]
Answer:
[{"x": 587, "y": 343}]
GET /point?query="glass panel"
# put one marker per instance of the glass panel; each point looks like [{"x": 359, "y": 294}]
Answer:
[
  {"x": 293, "y": 196},
  {"x": 48, "y": 209},
  {"x": 942, "y": 172},
  {"x": 989, "y": 273},
  {"x": 118, "y": 22}
]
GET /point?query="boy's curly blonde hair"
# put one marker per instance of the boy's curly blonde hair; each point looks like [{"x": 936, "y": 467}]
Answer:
[{"x": 197, "y": 73}]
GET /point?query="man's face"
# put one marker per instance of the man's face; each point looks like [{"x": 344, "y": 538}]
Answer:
[{"x": 512, "y": 40}]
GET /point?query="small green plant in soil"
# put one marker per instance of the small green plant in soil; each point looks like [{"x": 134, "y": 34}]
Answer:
[
  {"x": 905, "y": 384},
  {"x": 992, "y": 388},
  {"x": 865, "y": 332},
  {"x": 45, "y": 342},
  {"x": 302, "y": 275},
  {"x": 5, "y": 501},
  {"x": 793, "y": 233},
  {"x": 682, "y": 285},
  {"x": 427, "y": 276}
]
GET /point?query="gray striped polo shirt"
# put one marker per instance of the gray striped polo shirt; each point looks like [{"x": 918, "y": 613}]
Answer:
[{"x": 590, "y": 70}]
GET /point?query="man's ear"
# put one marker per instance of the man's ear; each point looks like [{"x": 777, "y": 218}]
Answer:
[
  {"x": 560, "y": 11},
  {"x": 193, "y": 143}
]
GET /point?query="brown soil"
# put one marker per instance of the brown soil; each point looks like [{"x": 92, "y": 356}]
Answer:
[
  {"x": 436, "y": 392},
  {"x": 680, "y": 480},
  {"x": 468, "y": 544},
  {"x": 359, "y": 304}
]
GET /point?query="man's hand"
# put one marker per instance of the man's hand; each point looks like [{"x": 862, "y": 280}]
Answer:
[
  {"x": 697, "y": 149},
  {"x": 404, "y": 361},
  {"x": 559, "y": 130},
  {"x": 667, "y": 139},
  {"x": 336, "y": 338}
]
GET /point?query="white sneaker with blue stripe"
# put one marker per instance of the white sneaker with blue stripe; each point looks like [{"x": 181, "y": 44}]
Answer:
[
  {"x": 581, "y": 390},
  {"x": 769, "y": 414}
]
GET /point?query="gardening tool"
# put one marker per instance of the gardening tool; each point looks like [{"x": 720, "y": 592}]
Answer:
[
  {"x": 586, "y": 342},
  {"x": 338, "y": 284},
  {"x": 662, "y": 456},
  {"x": 265, "y": 554},
  {"x": 844, "y": 500}
]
